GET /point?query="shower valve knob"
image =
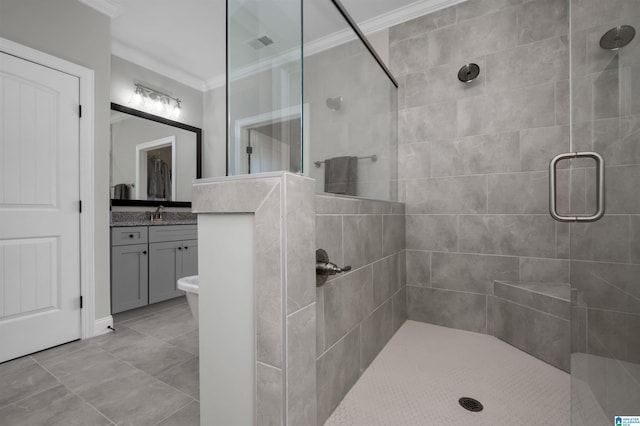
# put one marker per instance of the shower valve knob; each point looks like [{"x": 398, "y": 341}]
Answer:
[
  {"x": 330, "y": 268},
  {"x": 325, "y": 268}
]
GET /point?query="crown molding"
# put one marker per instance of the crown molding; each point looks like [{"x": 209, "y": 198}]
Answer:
[
  {"x": 135, "y": 56},
  {"x": 215, "y": 82},
  {"x": 373, "y": 25},
  {"x": 404, "y": 14},
  {"x": 110, "y": 8}
]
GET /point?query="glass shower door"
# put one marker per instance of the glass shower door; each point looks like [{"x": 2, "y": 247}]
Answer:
[{"x": 605, "y": 255}]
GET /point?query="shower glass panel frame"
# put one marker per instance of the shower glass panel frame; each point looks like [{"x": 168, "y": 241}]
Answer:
[
  {"x": 307, "y": 92},
  {"x": 605, "y": 255},
  {"x": 264, "y": 86}
]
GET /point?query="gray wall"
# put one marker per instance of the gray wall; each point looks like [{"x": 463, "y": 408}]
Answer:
[
  {"x": 359, "y": 311},
  {"x": 472, "y": 157},
  {"x": 75, "y": 32}
]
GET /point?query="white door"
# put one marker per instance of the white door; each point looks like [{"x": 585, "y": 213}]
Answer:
[{"x": 39, "y": 208}]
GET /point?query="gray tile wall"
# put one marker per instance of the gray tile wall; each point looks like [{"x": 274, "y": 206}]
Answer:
[
  {"x": 472, "y": 158},
  {"x": 357, "y": 312}
]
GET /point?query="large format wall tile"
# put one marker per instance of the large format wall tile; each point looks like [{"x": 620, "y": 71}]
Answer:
[
  {"x": 544, "y": 336},
  {"x": 538, "y": 146},
  {"x": 329, "y": 237},
  {"x": 301, "y": 229},
  {"x": 537, "y": 270},
  {"x": 393, "y": 234},
  {"x": 507, "y": 111},
  {"x": 337, "y": 371},
  {"x": 418, "y": 268},
  {"x": 521, "y": 193},
  {"x": 414, "y": 160},
  {"x": 422, "y": 24},
  {"x": 362, "y": 239},
  {"x": 399, "y": 305},
  {"x": 472, "y": 38},
  {"x": 301, "y": 363},
  {"x": 466, "y": 311},
  {"x": 516, "y": 235},
  {"x": 347, "y": 301},
  {"x": 434, "y": 86},
  {"x": 464, "y": 195},
  {"x": 473, "y": 9},
  {"x": 432, "y": 232},
  {"x": 476, "y": 155},
  {"x": 605, "y": 240},
  {"x": 541, "y": 19},
  {"x": 427, "y": 123},
  {"x": 376, "y": 331},
  {"x": 386, "y": 276},
  {"x": 551, "y": 64},
  {"x": 470, "y": 272}
]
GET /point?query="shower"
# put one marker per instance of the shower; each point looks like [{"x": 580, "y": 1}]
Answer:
[{"x": 617, "y": 37}]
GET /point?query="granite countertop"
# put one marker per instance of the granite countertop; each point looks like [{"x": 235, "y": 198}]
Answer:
[{"x": 142, "y": 219}]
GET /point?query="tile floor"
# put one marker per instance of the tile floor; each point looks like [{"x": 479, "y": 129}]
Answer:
[
  {"x": 419, "y": 376},
  {"x": 145, "y": 373}
]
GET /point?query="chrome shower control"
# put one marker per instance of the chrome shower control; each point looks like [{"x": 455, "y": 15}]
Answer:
[{"x": 324, "y": 267}]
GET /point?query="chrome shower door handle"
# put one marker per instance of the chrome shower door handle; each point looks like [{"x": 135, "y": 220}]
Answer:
[{"x": 553, "y": 206}]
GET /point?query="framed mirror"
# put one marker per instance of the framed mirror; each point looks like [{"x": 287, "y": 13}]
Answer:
[{"x": 154, "y": 160}]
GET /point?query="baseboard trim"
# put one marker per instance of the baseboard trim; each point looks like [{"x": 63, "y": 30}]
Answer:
[{"x": 101, "y": 326}]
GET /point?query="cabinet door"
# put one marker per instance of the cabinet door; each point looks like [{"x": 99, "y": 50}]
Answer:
[
  {"x": 165, "y": 265},
  {"x": 189, "y": 258},
  {"x": 129, "y": 277}
]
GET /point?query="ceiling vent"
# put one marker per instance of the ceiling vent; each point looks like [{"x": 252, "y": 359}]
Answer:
[{"x": 260, "y": 42}]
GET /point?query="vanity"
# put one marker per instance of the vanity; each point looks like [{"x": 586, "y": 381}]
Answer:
[
  {"x": 147, "y": 260},
  {"x": 148, "y": 256}
]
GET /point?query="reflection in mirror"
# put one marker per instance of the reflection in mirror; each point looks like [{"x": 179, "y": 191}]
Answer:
[{"x": 153, "y": 160}]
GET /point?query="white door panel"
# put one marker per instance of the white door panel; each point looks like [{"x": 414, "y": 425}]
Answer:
[{"x": 39, "y": 218}]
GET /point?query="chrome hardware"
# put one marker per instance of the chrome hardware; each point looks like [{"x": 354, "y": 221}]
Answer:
[
  {"x": 158, "y": 214},
  {"x": 553, "y": 208},
  {"x": 324, "y": 267}
]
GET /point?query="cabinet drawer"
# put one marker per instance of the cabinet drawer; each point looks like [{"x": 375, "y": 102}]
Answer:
[
  {"x": 126, "y": 235},
  {"x": 172, "y": 233}
]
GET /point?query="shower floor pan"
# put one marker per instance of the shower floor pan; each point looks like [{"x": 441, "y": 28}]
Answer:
[{"x": 425, "y": 369}]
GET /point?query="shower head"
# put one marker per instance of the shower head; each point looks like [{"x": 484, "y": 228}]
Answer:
[
  {"x": 334, "y": 104},
  {"x": 468, "y": 73},
  {"x": 617, "y": 37}
]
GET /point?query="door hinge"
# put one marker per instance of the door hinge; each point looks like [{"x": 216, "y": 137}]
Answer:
[
  {"x": 80, "y": 110},
  {"x": 81, "y": 304},
  {"x": 80, "y": 206}
]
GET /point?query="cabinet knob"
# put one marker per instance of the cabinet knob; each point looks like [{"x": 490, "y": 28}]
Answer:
[
  {"x": 186, "y": 248},
  {"x": 130, "y": 235},
  {"x": 144, "y": 252},
  {"x": 179, "y": 248}
]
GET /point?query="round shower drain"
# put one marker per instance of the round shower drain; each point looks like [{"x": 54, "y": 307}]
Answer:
[{"x": 470, "y": 404}]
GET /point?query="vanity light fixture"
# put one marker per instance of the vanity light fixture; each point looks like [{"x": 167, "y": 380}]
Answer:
[{"x": 156, "y": 101}]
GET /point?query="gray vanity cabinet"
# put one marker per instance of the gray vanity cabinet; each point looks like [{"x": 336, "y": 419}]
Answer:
[
  {"x": 129, "y": 268},
  {"x": 146, "y": 262},
  {"x": 173, "y": 254}
]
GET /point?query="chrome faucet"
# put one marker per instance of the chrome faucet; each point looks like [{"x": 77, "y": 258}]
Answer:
[{"x": 157, "y": 215}]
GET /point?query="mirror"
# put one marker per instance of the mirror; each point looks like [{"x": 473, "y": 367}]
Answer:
[{"x": 154, "y": 160}]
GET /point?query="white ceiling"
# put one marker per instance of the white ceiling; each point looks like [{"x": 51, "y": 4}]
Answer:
[{"x": 185, "y": 40}]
